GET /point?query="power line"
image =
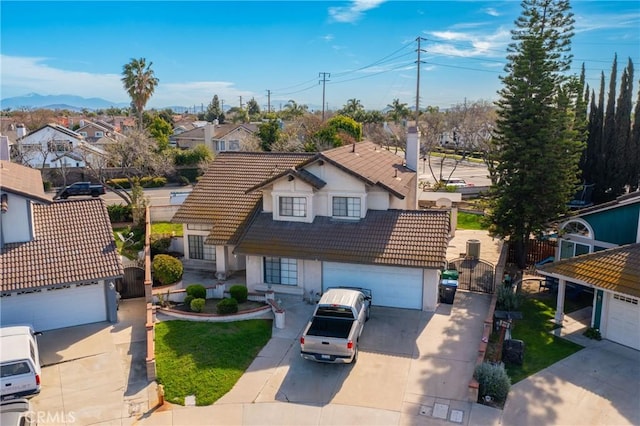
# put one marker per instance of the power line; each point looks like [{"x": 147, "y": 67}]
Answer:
[{"x": 324, "y": 80}]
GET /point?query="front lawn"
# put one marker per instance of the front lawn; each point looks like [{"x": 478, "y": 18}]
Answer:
[
  {"x": 206, "y": 359},
  {"x": 541, "y": 348},
  {"x": 167, "y": 228},
  {"x": 470, "y": 221}
]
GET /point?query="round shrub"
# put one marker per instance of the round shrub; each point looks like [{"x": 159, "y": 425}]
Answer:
[
  {"x": 507, "y": 300},
  {"x": 166, "y": 269},
  {"x": 239, "y": 292},
  {"x": 493, "y": 381},
  {"x": 227, "y": 306},
  {"x": 197, "y": 305},
  {"x": 187, "y": 300},
  {"x": 197, "y": 291},
  {"x": 159, "y": 244}
]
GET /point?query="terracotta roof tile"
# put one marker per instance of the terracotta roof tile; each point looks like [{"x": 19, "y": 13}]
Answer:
[
  {"x": 219, "y": 197},
  {"x": 22, "y": 180},
  {"x": 73, "y": 243},
  {"x": 375, "y": 165},
  {"x": 415, "y": 238},
  {"x": 616, "y": 269}
]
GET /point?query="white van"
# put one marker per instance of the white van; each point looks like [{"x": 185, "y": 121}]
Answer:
[{"x": 19, "y": 362}]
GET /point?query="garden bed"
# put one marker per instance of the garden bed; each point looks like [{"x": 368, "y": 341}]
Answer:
[{"x": 210, "y": 306}]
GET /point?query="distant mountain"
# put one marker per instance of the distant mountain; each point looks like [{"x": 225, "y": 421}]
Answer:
[{"x": 71, "y": 102}]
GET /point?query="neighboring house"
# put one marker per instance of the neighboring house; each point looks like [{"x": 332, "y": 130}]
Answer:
[
  {"x": 59, "y": 260},
  {"x": 47, "y": 147},
  {"x": 300, "y": 223},
  {"x": 217, "y": 137},
  {"x": 599, "y": 249},
  {"x": 99, "y": 133}
]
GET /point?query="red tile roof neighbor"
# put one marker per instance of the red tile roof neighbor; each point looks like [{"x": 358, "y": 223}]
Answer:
[
  {"x": 415, "y": 238},
  {"x": 616, "y": 269},
  {"x": 220, "y": 199},
  {"x": 22, "y": 180},
  {"x": 73, "y": 243}
]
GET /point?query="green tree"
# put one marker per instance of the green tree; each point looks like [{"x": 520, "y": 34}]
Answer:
[
  {"x": 293, "y": 110},
  {"x": 140, "y": 82},
  {"x": 214, "y": 111},
  {"x": 353, "y": 109},
  {"x": 635, "y": 146},
  {"x": 538, "y": 148},
  {"x": 160, "y": 130},
  {"x": 269, "y": 134},
  {"x": 623, "y": 151},
  {"x": 398, "y": 111},
  {"x": 253, "y": 109},
  {"x": 337, "y": 131}
]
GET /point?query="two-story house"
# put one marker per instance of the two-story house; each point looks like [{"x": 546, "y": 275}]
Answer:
[
  {"x": 58, "y": 259},
  {"x": 51, "y": 146},
  {"x": 599, "y": 248},
  {"x": 300, "y": 223},
  {"x": 217, "y": 137},
  {"x": 99, "y": 133}
]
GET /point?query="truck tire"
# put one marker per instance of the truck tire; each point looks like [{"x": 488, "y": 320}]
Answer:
[
  {"x": 355, "y": 355},
  {"x": 64, "y": 196},
  {"x": 95, "y": 194}
]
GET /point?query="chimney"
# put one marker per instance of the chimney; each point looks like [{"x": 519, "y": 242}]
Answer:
[
  {"x": 21, "y": 131},
  {"x": 413, "y": 148},
  {"x": 4, "y": 148}
]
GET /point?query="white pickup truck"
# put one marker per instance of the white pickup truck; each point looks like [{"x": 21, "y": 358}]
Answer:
[
  {"x": 20, "y": 362},
  {"x": 333, "y": 332}
]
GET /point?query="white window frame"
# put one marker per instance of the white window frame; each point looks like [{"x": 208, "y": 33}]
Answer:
[
  {"x": 99, "y": 134},
  {"x": 298, "y": 206},
  {"x": 353, "y": 212}
]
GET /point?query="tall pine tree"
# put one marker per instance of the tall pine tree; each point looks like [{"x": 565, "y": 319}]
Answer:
[
  {"x": 622, "y": 151},
  {"x": 214, "y": 111},
  {"x": 538, "y": 149},
  {"x": 605, "y": 187},
  {"x": 635, "y": 147}
]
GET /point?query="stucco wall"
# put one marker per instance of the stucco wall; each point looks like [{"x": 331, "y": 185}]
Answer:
[{"x": 430, "y": 281}]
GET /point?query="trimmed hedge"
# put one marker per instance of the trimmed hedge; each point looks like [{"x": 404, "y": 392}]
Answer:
[
  {"x": 120, "y": 213},
  {"x": 197, "y": 291},
  {"x": 145, "y": 182},
  {"x": 227, "y": 306},
  {"x": 197, "y": 305},
  {"x": 167, "y": 269},
  {"x": 239, "y": 292}
]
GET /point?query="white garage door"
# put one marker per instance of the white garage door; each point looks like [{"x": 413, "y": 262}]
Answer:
[
  {"x": 390, "y": 286},
  {"x": 50, "y": 309},
  {"x": 623, "y": 321}
]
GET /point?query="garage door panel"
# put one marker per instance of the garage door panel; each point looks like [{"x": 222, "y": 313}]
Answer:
[
  {"x": 623, "y": 321},
  {"x": 51, "y": 309},
  {"x": 390, "y": 286}
]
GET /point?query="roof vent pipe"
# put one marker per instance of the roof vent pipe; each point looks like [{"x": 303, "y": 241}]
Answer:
[{"x": 354, "y": 147}]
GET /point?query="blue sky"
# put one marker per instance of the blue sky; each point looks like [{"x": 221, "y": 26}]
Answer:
[{"x": 245, "y": 48}]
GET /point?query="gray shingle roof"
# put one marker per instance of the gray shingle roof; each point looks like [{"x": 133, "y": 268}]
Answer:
[
  {"x": 415, "y": 238},
  {"x": 73, "y": 243}
]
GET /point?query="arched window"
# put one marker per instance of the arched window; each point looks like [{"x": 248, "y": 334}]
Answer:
[{"x": 575, "y": 228}]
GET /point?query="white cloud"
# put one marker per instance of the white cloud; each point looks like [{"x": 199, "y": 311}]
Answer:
[
  {"x": 610, "y": 21},
  {"x": 469, "y": 44},
  {"x": 328, "y": 37},
  {"x": 22, "y": 75},
  {"x": 491, "y": 11},
  {"x": 353, "y": 12}
]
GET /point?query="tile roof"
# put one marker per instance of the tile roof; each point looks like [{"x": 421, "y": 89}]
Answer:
[
  {"x": 73, "y": 243},
  {"x": 375, "y": 165},
  {"x": 193, "y": 134},
  {"x": 412, "y": 238},
  {"x": 22, "y": 180},
  {"x": 616, "y": 269},
  {"x": 303, "y": 175},
  {"x": 220, "y": 199},
  {"x": 630, "y": 198}
]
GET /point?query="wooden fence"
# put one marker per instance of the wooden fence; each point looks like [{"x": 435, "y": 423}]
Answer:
[{"x": 537, "y": 250}]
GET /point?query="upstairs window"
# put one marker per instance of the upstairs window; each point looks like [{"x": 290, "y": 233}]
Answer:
[
  {"x": 346, "y": 207},
  {"x": 99, "y": 134},
  {"x": 293, "y": 206}
]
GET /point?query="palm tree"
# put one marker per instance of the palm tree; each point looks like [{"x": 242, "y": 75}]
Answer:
[
  {"x": 398, "y": 110},
  {"x": 139, "y": 81},
  {"x": 292, "y": 109}
]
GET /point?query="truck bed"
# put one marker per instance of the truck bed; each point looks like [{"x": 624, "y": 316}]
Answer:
[{"x": 338, "y": 328}]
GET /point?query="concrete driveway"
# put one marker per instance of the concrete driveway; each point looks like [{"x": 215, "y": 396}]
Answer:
[
  {"x": 599, "y": 385},
  {"x": 413, "y": 368},
  {"x": 95, "y": 373}
]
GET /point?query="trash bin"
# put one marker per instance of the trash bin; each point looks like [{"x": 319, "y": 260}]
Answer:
[
  {"x": 448, "y": 290},
  {"x": 450, "y": 274}
]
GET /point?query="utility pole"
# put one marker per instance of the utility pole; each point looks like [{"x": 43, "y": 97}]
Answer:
[
  {"x": 324, "y": 80},
  {"x": 268, "y": 101},
  {"x": 418, "y": 39},
  {"x": 240, "y": 102}
]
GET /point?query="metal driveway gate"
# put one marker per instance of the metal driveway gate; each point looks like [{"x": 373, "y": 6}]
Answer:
[
  {"x": 474, "y": 274},
  {"x": 132, "y": 285}
]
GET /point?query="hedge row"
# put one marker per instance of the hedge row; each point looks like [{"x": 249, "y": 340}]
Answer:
[{"x": 145, "y": 182}]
